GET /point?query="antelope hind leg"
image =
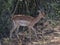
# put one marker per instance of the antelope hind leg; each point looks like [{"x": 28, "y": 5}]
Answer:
[{"x": 13, "y": 29}]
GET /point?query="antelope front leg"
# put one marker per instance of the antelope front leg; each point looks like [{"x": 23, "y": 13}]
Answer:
[
  {"x": 34, "y": 31},
  {"x": 29, "y": 33}
]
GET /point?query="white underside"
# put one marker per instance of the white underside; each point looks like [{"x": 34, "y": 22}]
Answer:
[{"x": 23, "y": 22}]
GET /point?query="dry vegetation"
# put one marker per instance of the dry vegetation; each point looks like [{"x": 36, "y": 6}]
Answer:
[
  {"x": 48, "y": 32},
  {"x": 50, "y": 35}
]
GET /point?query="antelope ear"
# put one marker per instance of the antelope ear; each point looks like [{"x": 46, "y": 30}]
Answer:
[{"x": 39, "y": 11}]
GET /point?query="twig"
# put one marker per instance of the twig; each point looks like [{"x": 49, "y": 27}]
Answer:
[{"x": 15, "y": 8}]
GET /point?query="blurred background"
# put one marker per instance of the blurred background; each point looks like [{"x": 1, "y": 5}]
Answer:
[{"x": 29, "y": 7}]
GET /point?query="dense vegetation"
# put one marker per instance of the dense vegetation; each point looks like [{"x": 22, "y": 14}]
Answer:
[{"x": 27, "y": 7}]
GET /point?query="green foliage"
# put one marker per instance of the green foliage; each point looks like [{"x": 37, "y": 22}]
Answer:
[
  {"x": 54, "y": 12},
  {"x": 30, "y": 7}
]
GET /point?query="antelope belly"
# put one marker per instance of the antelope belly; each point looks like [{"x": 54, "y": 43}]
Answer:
[{"x": 23, "y": 23}]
